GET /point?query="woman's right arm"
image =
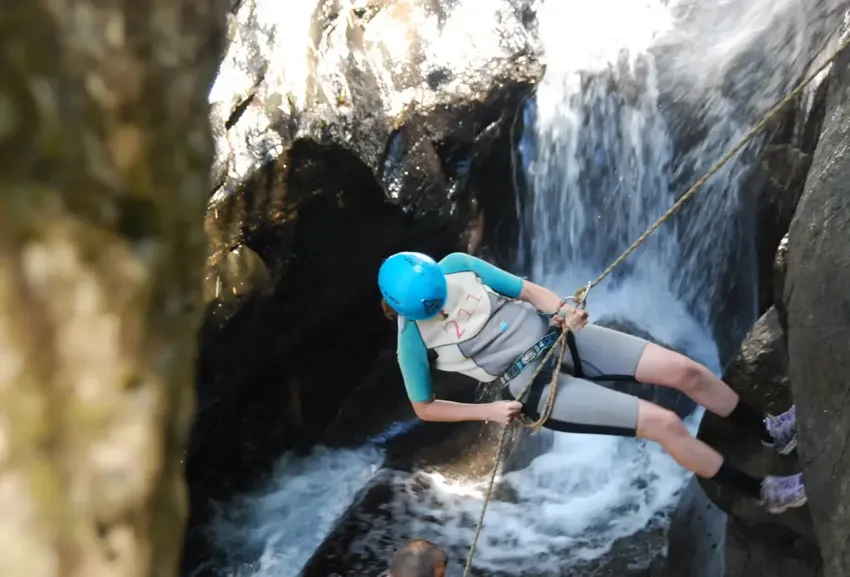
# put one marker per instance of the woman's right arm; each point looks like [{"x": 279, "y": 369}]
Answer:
[{"x": 413, "y": 361}]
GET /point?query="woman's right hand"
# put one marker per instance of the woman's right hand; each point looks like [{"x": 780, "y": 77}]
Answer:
[{"x": 504, "y": 412}]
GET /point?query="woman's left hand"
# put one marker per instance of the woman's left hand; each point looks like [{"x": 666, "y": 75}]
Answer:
[{"x": 570, "y": 318}]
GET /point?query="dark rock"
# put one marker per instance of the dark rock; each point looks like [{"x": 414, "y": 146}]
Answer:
[
  {"x": 817, "y": 298},
  {"x": 781, "y": 174},
  {"x": 705, "y": 542},
  {"x": 785, "y": 168},
  {"x": 759, "y": 374},
  {"x": 761, "y": 549},
  {"x": 696, "y": 536},
  {"x": 320, "y": 176},
  {"x": 779, "y": 178}
]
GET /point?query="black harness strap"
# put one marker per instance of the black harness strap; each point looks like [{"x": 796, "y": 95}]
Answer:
[
  {"x": 578, "y": 371},
  {"x": 544, "y": 377}
]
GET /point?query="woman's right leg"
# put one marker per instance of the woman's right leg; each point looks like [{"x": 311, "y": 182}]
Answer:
[{"x": 667, "y": 429}]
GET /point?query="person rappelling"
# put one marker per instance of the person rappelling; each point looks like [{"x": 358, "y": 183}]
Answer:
[{"x": 494, "y": 326}]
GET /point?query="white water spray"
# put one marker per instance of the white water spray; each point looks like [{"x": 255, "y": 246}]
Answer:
[{"x": 275, "y": 531}]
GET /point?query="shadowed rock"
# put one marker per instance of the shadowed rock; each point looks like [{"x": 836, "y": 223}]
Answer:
[
  {"x": 817, "y": 298},
  {"x": 696, "y": 537},
  {"x": 759, "y": 374}
]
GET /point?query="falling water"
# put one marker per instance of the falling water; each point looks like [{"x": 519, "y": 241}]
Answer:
[{"x": 626, "y": 121}]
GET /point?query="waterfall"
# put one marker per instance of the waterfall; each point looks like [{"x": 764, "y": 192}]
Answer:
[
  {"x": 629, "y": 115},
  {"x": 640, "y": 97}
]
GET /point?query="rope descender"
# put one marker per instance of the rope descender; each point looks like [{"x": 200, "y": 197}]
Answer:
[{"x": 580, "y": 296}]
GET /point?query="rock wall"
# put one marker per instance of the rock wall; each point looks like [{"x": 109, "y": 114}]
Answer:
[
  {"x": 797, "y": 352},
  {"x": 105, "y": 152},
  {"x": 765, "y": 179},
  {"x": 817, "y": 298}
]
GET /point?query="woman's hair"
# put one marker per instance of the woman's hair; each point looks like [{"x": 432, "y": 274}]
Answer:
[
  {"x": 418, "y": 558},
  {"x": 388, "y": 310}
]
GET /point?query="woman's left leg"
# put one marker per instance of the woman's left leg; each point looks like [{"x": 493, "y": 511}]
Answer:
[
  {"x": 604, "y": 351},
  {"x": 668, "y": 368}
]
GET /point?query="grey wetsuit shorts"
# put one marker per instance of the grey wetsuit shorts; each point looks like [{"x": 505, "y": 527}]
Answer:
[{"x": 585, "y": 405}]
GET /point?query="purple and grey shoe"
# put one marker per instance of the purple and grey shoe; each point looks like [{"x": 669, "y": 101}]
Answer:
[
  {"x": 781, "y": 493},
  {"x": 783, "y": 429}
]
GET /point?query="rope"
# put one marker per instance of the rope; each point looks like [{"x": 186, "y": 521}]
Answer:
[
  {"x": 536, "y": 425},
  {"x": 580, "y": 296}
]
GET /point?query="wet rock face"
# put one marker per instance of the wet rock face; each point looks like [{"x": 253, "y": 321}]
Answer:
[
  {"x": 696, "y": 537},
  {"x": 793, "y": 351},
  {"x": 765, "y": 179},
  {"x": 343, "y": 134},
  {"x": 782, "y": 170},
  {"x": 104, "y": 163},
  {"x": 817, "y": 297}
]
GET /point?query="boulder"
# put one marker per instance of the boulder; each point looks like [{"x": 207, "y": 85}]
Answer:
[
  {"x": 344, "y": 133},
  {"x": 782, "y": 172},
  {"x": 105, "y": 152},
  {"x": 696, "y": 536},
  {"x": 756, "y": 538},
  {"x": 817, "y": 299}
]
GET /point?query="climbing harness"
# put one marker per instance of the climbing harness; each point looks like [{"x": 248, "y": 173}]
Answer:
[
  {"x": 580, "y": 296},
  {"x": 525, "y": 359}
]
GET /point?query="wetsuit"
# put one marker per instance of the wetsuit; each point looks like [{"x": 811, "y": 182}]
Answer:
[{"x": 487, "y": 329}]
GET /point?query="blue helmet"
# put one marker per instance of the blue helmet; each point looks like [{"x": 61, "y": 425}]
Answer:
[{"x": 413, "y": 285}]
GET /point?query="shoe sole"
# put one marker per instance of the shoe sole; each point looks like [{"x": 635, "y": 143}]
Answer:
[
  {"x": 787, "y": 449},
  {"x": 793, "y": 505},
  {"x": 792, "y": 444}
]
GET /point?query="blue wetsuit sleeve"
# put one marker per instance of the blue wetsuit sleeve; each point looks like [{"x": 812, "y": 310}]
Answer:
[
  {"x": 497, "y": 279},
  {"x": 413, "y": 362}
]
